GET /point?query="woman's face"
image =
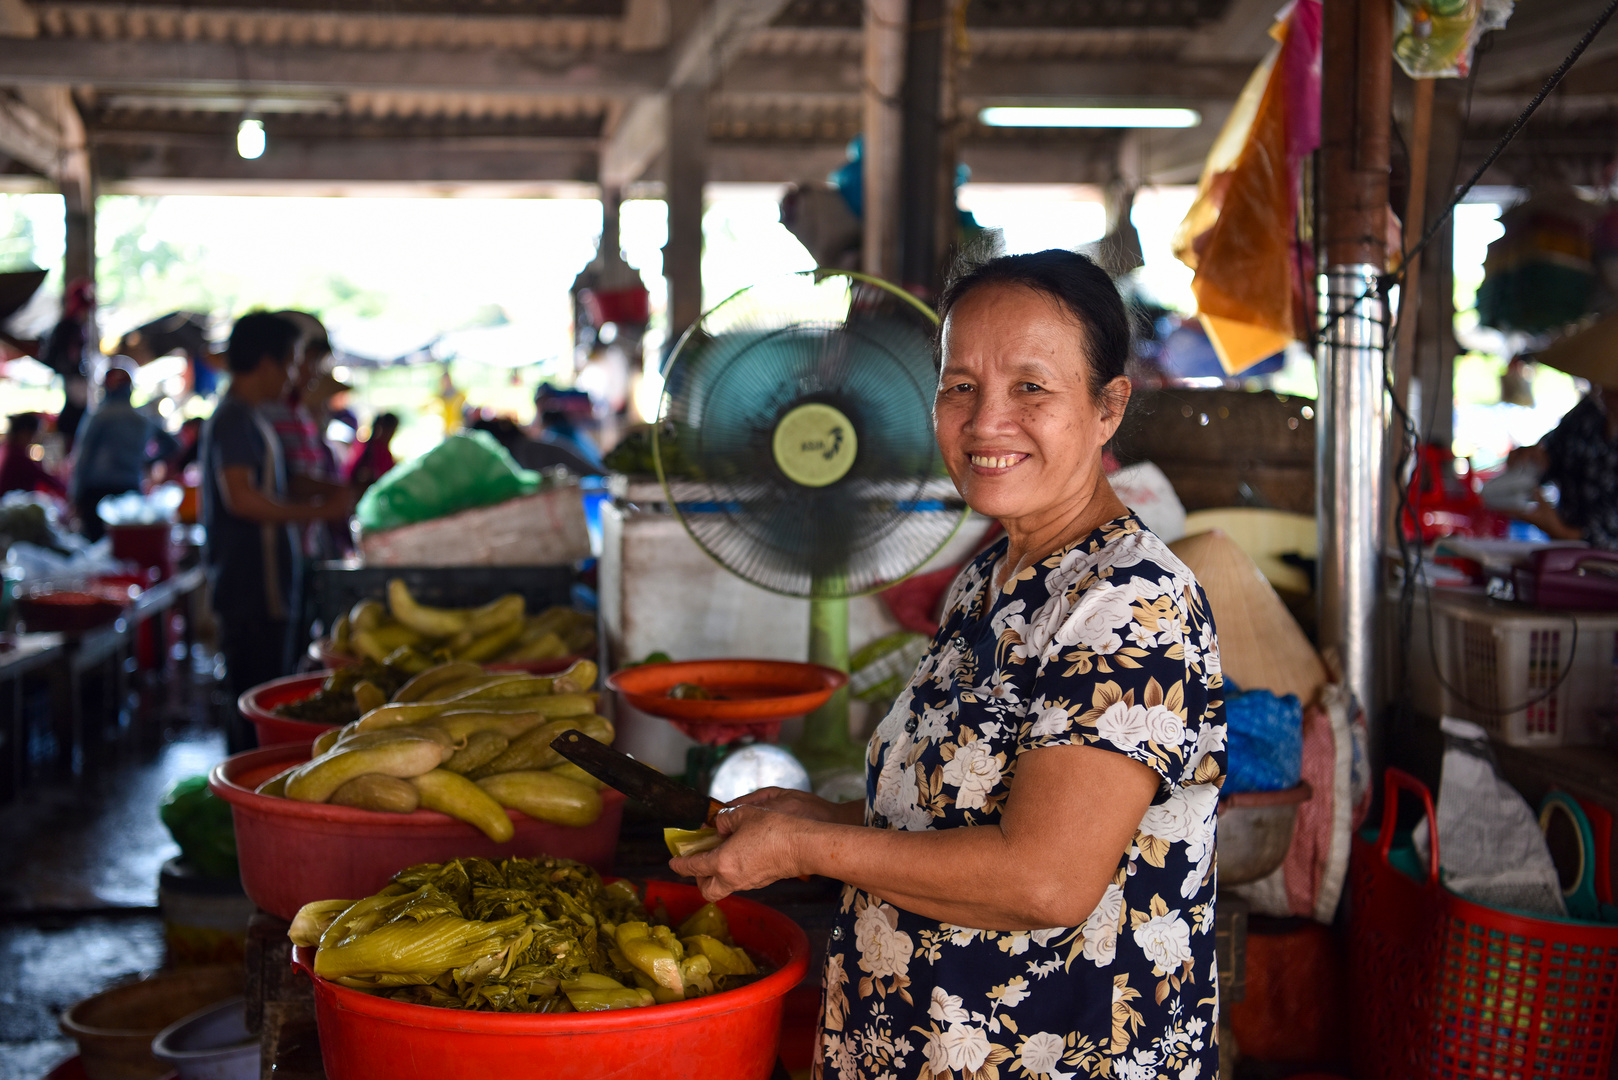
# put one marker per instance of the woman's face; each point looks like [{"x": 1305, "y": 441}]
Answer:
[{"x": 1019, "y": 431}]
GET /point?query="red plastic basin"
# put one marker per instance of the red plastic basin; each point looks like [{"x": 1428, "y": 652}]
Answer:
[
  {"x": 258, "y": 705},
  {"x": 728, "y": 1036},
  {"x": 320, "y": 652},
  {"x": 751, "y": 697},
  {"x": 294, "y": 852}
]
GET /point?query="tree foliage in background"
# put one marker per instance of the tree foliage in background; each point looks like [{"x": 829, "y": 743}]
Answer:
[{"x": 16, "y": 238}]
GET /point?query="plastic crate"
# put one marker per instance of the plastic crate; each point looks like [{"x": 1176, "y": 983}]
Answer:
[
  {"x": 1496, "y": 656},
  {"x": 332, "y": 587}
]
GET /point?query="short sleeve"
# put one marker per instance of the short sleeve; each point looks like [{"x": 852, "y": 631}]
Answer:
[
  {"x": 236, "y": 442},
  {"x": 1131, "y": 670}
]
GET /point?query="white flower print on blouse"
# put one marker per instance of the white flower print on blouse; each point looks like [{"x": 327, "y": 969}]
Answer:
[
  {"x": 1085, "y": 648},
  {"x": 975, "y": 771}
]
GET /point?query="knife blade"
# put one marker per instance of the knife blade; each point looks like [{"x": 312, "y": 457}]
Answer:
[{"x": 669, "y": 799}]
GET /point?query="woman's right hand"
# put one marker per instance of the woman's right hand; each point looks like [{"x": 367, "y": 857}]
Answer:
[{"x": 804, "y": 805}]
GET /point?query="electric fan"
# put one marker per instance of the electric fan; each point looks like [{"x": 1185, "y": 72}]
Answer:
[{"x": 795, "y": 445}]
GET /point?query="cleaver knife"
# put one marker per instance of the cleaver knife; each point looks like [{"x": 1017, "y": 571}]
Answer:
[{"x": 669, "y": 799}]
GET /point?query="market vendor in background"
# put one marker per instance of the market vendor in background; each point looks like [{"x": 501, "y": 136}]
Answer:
[
  {"x": 1579, "y": 456},
  {"x": 19, "y": 469},
  {"x": 66, "y": 351},
  {"x": 372, "y": 458},
  {"x": 558, "y": 415},
  {"x": 250, "y": 512},
  {"x": 1031, "y": 877},
  {"x": 117, "y": 444},
  {"x": 311, "y": 466}
]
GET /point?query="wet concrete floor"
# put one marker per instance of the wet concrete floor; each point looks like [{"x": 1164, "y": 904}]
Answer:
[{"x": 78, "y": 888}]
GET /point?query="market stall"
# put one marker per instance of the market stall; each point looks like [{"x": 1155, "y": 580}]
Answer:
[{"x": 843, "y": 639}]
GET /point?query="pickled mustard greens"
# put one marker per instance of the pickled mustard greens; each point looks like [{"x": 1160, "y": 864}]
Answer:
[
  {"x": 335, "y": 702},
  {"x": 690, "y": 841},
  {"x": 521, "y": 935}
]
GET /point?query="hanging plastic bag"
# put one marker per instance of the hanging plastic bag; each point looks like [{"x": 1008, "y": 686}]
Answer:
[
  {"x": 1435, "y": 39},
  {"x": 1489, "y": 838},
  {"x": 466, "y": 470}
]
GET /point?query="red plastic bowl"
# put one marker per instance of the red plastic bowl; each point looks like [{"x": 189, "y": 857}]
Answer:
[
  {"x": 294, "y": 852},
  {"x": 757, "y": 694},
  {"x": 259, "y": 703},
  {"x": 733, "y": 1035},
  {"x": 71, "y": 611},
  {"x": 320, "y": 652}
]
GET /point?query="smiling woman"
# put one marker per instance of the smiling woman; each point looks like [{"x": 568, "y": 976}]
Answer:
[{"x": 1030, "y": 878}]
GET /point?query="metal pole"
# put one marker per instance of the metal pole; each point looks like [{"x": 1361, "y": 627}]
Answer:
[
  {"x": 1356, "y": 98},
  {"x": 1351, "y": 431}
]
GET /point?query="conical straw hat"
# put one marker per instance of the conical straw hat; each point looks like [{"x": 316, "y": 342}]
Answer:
[
  {"x": 1590, "y": 353},
  {"x": 1261, "y": 646}
]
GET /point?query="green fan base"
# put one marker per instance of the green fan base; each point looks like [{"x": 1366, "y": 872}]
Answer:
[{"x": 825, "y": 747}]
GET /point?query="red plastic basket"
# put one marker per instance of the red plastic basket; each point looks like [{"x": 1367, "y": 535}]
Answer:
[{"x": 1447, "y": 988}]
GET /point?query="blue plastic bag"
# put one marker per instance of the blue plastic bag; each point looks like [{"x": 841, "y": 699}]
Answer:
[{"x": 1263, "y": 741}]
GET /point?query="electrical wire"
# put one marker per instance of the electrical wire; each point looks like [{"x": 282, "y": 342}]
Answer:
[
  {"x": 1386, "y": 283},
  {"x": 1413, "y": 557},
  {"x": 1410, "y": 436}
]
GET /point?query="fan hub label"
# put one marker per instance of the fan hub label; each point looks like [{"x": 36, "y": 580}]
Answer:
[{"x": 815, "y": 444}]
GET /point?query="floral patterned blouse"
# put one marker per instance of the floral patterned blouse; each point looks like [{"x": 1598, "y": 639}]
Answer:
[{"x": 1107, "y": 643}]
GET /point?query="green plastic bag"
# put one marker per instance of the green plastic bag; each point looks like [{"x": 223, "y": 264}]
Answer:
[
  {"x": 200, "y": 823},
  {"x": 464, "y": 471}
]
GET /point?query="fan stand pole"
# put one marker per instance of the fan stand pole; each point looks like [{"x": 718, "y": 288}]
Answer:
[{"x": 825, "y": 747}]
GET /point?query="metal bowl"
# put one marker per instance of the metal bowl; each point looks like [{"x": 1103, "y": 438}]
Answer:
[{"x": 1255, "y": 830}]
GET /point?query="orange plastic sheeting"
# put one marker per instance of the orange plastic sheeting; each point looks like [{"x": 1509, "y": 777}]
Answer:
[{"x": 1239, "y": 233}]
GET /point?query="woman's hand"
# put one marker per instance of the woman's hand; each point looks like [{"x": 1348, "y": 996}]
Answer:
[
  {"x": 1543, "y": 516},
  {"x": 759, "y": 849},
  {"x": 1530, "y": 455},
  {"x": 803, "y": 805}
]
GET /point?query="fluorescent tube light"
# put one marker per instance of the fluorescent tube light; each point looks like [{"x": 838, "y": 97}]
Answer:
[{"x": 1089, "y": 117}]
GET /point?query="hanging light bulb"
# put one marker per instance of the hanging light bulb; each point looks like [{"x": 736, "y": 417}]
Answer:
[{"x": 250, "y": 139}]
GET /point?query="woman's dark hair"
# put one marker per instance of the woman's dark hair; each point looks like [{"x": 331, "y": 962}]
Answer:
[
  {"x": 1077, "y": 285},
  {"x": 386, "y": 420},
  {"x": 259, "y": 336}
]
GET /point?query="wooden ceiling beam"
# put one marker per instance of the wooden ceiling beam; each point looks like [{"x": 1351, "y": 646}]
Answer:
[
  {"x": 425, "y": 161},
  {"x": 203, "y": 65},
  {"x": 209, "y": 66},
  {"x": 718, "y": 37},
  {"x": 29, "y": 138}
]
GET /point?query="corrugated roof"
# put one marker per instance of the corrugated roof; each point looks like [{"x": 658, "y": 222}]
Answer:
[{"x": 364, "y": 28}]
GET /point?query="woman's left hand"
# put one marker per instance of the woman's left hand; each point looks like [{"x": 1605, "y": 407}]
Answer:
[{"x": 759, "y": 849}]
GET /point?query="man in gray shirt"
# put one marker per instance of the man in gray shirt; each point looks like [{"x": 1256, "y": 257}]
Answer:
[{"x": 252, "y": 555}]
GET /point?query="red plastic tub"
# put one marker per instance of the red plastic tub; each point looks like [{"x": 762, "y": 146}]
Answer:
[
  {"x": 294, "y": 852},
  {"x": 258, "y": 706},
  {"x": 321, "y": 653},
  {"x": 148, "y": 546},
  {"x": 728, "y": 1036}
]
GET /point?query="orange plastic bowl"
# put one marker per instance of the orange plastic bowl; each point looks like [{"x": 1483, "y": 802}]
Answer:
[
  {"x": 294, "y": 852},
  {"x": 733, "y": 1035},
  {"x": 259, "y": 703},
  {"x": 751, "y": 697},
  {"x": 321, "y": 653}
]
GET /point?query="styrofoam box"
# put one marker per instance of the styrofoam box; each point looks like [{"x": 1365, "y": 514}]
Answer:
[
  {"x": 544, "y": 529},
  {"x": 1528, "y": 677}
]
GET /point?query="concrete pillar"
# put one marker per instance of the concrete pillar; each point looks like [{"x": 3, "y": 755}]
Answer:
[
  {"x": 79, "y": 260},
  {"x": 922, "y": 164},
  {"x": 687, "y": 169},
  {"x": 885, "y": 23}
]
